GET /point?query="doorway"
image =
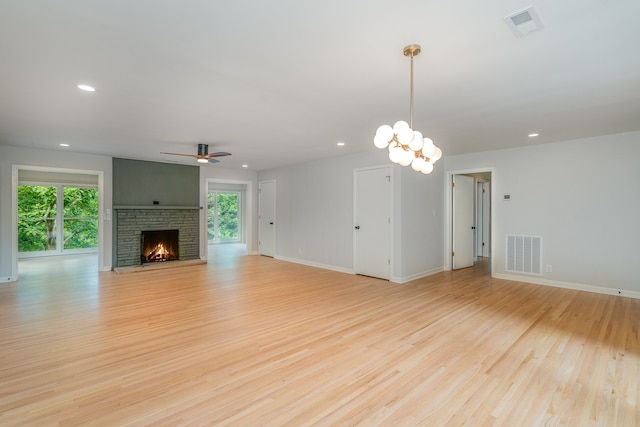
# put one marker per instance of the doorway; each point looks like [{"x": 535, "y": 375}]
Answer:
[
  {"x": 224, "y": 223},
  {"x": 227, "y": 219},
  {"x": 476, "y": 209}
]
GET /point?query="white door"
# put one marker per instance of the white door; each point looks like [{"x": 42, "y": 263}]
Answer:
[
  {"x": 479, "y": 220},
  {"x": 485, "y": 236},
  {"x": 463, "y": 231},
  {"x": 372, "y": 222},
  {"x": 267, "y": 218}
]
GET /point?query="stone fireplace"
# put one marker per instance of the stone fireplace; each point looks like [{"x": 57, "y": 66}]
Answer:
[{"x": 181, "y": 223}]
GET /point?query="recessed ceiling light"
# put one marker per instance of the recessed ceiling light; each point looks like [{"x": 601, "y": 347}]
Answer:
[
  {"x": 340, "y": 144},
  {"x": 533, "y": 135},
  {"x": 245, "y": 166},
  {"x": 64, "y": 144},
  {"x": 86, "y": 88}
]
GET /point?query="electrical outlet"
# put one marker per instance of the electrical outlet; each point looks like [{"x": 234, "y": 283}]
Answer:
[{"x": 549, "y": 268}]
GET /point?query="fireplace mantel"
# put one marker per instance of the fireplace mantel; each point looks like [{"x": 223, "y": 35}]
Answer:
[{"x": 142, "y": 207}]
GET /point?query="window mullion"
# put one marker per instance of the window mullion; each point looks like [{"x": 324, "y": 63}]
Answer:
[{"x": 59, "y": 219}]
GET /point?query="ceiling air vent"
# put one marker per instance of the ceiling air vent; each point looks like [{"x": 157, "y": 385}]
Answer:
[{"x": 523, "y": 22}]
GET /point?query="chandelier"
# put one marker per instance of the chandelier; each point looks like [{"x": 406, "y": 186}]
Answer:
[{"x": 406, "y": 146}]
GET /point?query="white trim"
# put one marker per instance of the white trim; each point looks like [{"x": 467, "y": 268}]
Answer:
[
  {"x": 315, "y": 264},
  {"x": 448, "y": 212},
  {"x": 417, "y": 276},
  {"x": 569, "y": 285}
]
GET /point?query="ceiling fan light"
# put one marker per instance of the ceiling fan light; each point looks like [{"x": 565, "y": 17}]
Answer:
[{"x": 203, "y": 160}]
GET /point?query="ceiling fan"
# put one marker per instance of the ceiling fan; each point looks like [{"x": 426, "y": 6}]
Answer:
[{"x": 203, "y": 155}]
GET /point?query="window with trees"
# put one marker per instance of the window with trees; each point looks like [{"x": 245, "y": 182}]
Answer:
[
  {"x": 223, "y": 222},
  {"x": 55, "y": 219}
]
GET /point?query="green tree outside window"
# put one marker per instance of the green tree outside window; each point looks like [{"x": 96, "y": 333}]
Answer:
[
  {"x": 223, "y": 221},
  {"x": 39, "y": 214}
]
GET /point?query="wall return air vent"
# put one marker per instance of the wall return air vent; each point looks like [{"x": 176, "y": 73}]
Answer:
[
  {"x": 523, "y": 22},
  {"x": 524, "y": 254}
]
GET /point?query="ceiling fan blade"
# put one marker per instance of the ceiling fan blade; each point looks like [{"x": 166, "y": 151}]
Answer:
[
  {"x": 179, "y": 154},
  {"x": 214, "y": 161},
  {"x": 218, "y": 154}
]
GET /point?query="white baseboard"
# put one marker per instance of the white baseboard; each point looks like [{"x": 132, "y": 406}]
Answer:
[
  {"x": 569, "y": 285},
  {"x": 417, "y": 275},
  {"x": 315, "y": 264},
  {"x": 8, "y": 279},
  {"x": 350, "y": 271}
]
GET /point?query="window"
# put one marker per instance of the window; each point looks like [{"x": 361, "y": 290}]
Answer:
[
  {"x": 48, "y": 227},
  {"x": 223, "y": 222}
]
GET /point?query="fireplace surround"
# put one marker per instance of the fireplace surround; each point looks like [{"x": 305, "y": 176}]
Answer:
[{"x": 131, "y": 221}]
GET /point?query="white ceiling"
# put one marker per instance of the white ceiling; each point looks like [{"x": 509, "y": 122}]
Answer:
[{"x": 282, "y": 81}]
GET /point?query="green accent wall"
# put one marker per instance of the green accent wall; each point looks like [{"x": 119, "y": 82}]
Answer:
[{"x": 140, "y": 183}]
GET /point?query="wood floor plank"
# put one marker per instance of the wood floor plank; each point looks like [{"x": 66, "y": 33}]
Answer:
[{"x": 250, "y": 340}]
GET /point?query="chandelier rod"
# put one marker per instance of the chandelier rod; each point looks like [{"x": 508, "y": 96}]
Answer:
[
  {"x": 411, "y": 97},
  {"x": 411, "y": 51}
]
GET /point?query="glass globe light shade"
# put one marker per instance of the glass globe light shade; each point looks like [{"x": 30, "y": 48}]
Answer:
[
  {"x": 427, "y": 168},
  {"x": 416, "y": 143},
  {"x": 385, "y": 131},
  {"x": 428, "y": 149},
  {"x": 395, "y": 154},
  {"x": 381, "y": 141},
  {"x": 405, "y": 136},
  {"x": 407, "y": 157},
  {"x": 400, "y": 125},
  {"x": 417, "y": 164},
  {"x": 436, "y": 156}
]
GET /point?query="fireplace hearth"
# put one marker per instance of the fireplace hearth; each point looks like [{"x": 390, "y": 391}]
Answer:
[{"x": 159, "y": 246}]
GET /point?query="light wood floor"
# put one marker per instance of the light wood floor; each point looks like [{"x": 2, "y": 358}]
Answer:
[{"x": 253, "y": 341}]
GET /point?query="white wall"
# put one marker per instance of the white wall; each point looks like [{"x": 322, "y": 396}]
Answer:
[
  {"x": 582, "y": 197},
  {"x": 215, "y": 173},
  {"x": 314, "y": 214},
  {"x": 422, "y": 222},
  {"x": 59, "y": 159}
]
